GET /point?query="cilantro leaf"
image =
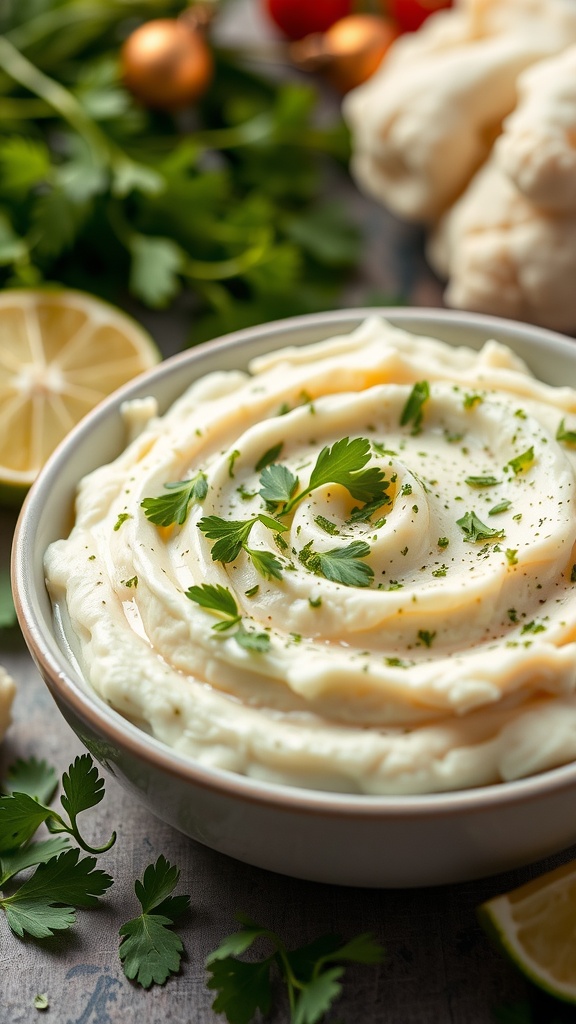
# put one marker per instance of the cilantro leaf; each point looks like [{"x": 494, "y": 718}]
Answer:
[
  {"x": 156, "y": 267},
  {"x": 502, "y": 506},
  {"x": 175, "y": 506},
  {"x": 318, "y": 995},
  {"x": 28, "y": 856},
  {"x": 24, "y": 163},
  {"x": 20, "y": 816},
  {"x": 44, "y": 903},
  {"x": 250, "y": 640},
  {"x": 481, "y": 481},
  {"x": 242, "y": 988},
  {"x": 312, "y": 986},
  {"x": 343, "y": 464},
  {"x": 265, "y": 563},
  {"x": 413, "y": 410},
  {"x": 230, "y": 535},
  {"x": 474, "y": 529},
  {"x": 83, "y": 788},
  {"x": 269, "y": 456},
  {"x": 522, "y": 461},
  {"x": 216, "y": 598},
  {"x": 567, "y": 436},
  {"x": 150, "y": 952},
  {"x": 341, "y": 565},
  {"x": 36, "y": 778},
  {"x": 277, "y": 484}
]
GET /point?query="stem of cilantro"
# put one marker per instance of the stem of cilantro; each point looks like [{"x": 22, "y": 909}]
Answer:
[{"x": 72, "y": 830}]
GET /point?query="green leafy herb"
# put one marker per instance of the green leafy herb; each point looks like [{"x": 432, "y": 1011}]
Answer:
[
  {"x": 150, "y": 951},
  {"x": 341, "y": 565},
  {"x": 35, "y": 778},
  {"x": 265, "y": 563},
  {"x": 252, "y": 591},
  {"x": 230, "y": 535},
  {"x": 364, "y": 513},
  {"x": 475, "y": 530},
  {"x": 174, "y": 507},
  {"x": 45, "y": 903},
  {"x": 277, "y": 484},
  {"x": 131, "y": 583},
  {"x": 502, "y": 506},
  {"x": 269, "y": 457},
  {"x": 21, "y": 814},
  {"x": 315, "y": 602},
  {"x": 343, "y": 463},
  {"x": 123, "y": 516},
  {"x": 251, "y": 640},
  {"x": 471, "y": 400},
  {"x": 327, "y": 525},
  {"x": 441, "y": 571},
  {"x": 567, "y": 436},
  {"x": 533, "y": 627},
  {"x": 481, "y": 481},
  {"x": 522, "y": 462},
  {"x": 511, "y": 556},
  {"x": 442, "y": 542},
  {"x": 413, "y": 411},
  {"x": 235, "y": 454},
  {"x": 426, "y": 637},
  {"x": 311, "y": 974},
  {"x": 217, "y": 599},
  {"x": 41, "y": 1002}
]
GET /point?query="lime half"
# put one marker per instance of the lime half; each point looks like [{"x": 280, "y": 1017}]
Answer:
[
  {"x": 535, "y": 926},
  {"x": 61, "y": 353}
]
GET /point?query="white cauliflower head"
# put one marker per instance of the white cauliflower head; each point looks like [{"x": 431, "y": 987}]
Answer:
[
  {"x": 424, "y": 123},
  {"x": 537, "y": 148},
  {"x": 505, "y": 256}
]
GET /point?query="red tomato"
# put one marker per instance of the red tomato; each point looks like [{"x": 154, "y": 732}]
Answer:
[
  {"x": 298, "y": 18},
  {"x": 409, "y": 14}
]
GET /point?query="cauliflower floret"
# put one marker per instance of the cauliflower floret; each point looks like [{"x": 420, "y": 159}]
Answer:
[
  {"x": 538, "y": 146},
  {"x": 505, "y": 256},
  {"x": 7, "y": 691},
  {"x": 424, "y": 123}
]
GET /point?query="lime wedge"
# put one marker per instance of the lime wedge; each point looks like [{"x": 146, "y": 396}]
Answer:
[{"x": 61, "y": 353}]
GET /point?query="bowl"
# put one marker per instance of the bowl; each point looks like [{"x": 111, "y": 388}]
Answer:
[{"x": 377, "y": 841}]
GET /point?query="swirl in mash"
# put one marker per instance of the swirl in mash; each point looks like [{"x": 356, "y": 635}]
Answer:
[{"x": 454, "y": 667}]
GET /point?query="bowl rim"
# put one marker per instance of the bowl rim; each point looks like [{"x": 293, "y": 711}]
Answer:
[{"x": 59, "y": 675}]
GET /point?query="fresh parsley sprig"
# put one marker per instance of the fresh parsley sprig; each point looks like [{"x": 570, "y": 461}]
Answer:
[
  {"x": 218, "y": 599},
  {"x": 150, "y": 951},
  {"x": 311, "y": 974},
  {"x": 231, "y": 536},
  {"x": 475, "y": 530},
  {"x": 342, "y": 463},
  {"x": 341, "y": 565},
  {"x": 22, "y": 814},
  {"x": 174, "y": 507},
  {"x": 413, "y": 411}
]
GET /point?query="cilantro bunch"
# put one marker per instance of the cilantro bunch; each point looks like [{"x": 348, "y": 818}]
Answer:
[{"x": 99, "y": 193}]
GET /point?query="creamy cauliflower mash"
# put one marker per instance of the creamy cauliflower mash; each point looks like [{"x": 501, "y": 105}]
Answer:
[{"x": 352, "y": 568}]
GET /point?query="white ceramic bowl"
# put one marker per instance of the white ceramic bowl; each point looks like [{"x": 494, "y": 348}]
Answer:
[{"x": 352, "y": 840}]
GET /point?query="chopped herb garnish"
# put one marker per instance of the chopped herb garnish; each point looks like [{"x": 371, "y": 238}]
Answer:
[
  {"x": 395, "y": 663},
  {"x": 522, "y": 462},
  {"x": 533, "y": 627},
  {"x": 341, "y": 565},
  {"x": 364, "y": 513},
  {"x": 472, "y": 399},
  {"x": 481, "y": 481},
  {"x": 269, "y": 457},
  {"x": 502, "y": 506},
  {"x": 315, "y": 602},
  {"x": 512, "y": 615},
  {"x": 443, "y": 542},
  {"x": 426, "y": 638},
  {"x": 413, "y": 410},
  {"x": 511, "y": 556},
  {"x": 123, "y": 516},
  {"x": 252, "y": 591},
  {"x": 132, "y": 582},
  {"x": 406, "y": 489},
  {"x": 250, "y": 640},
  {"x": 174, "y": 507},
  {"x": 235, "y": 454},
  {"x": 441, "y": 571},
  {"x": 216, "y": 598},
  {"x": 475, "y": 530},
  {"x": 567, "y": 436},
  {"x": 573, "y": 574},
  {"x": 265, "y": 563},
  {"x": 327, "y": 525}
]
